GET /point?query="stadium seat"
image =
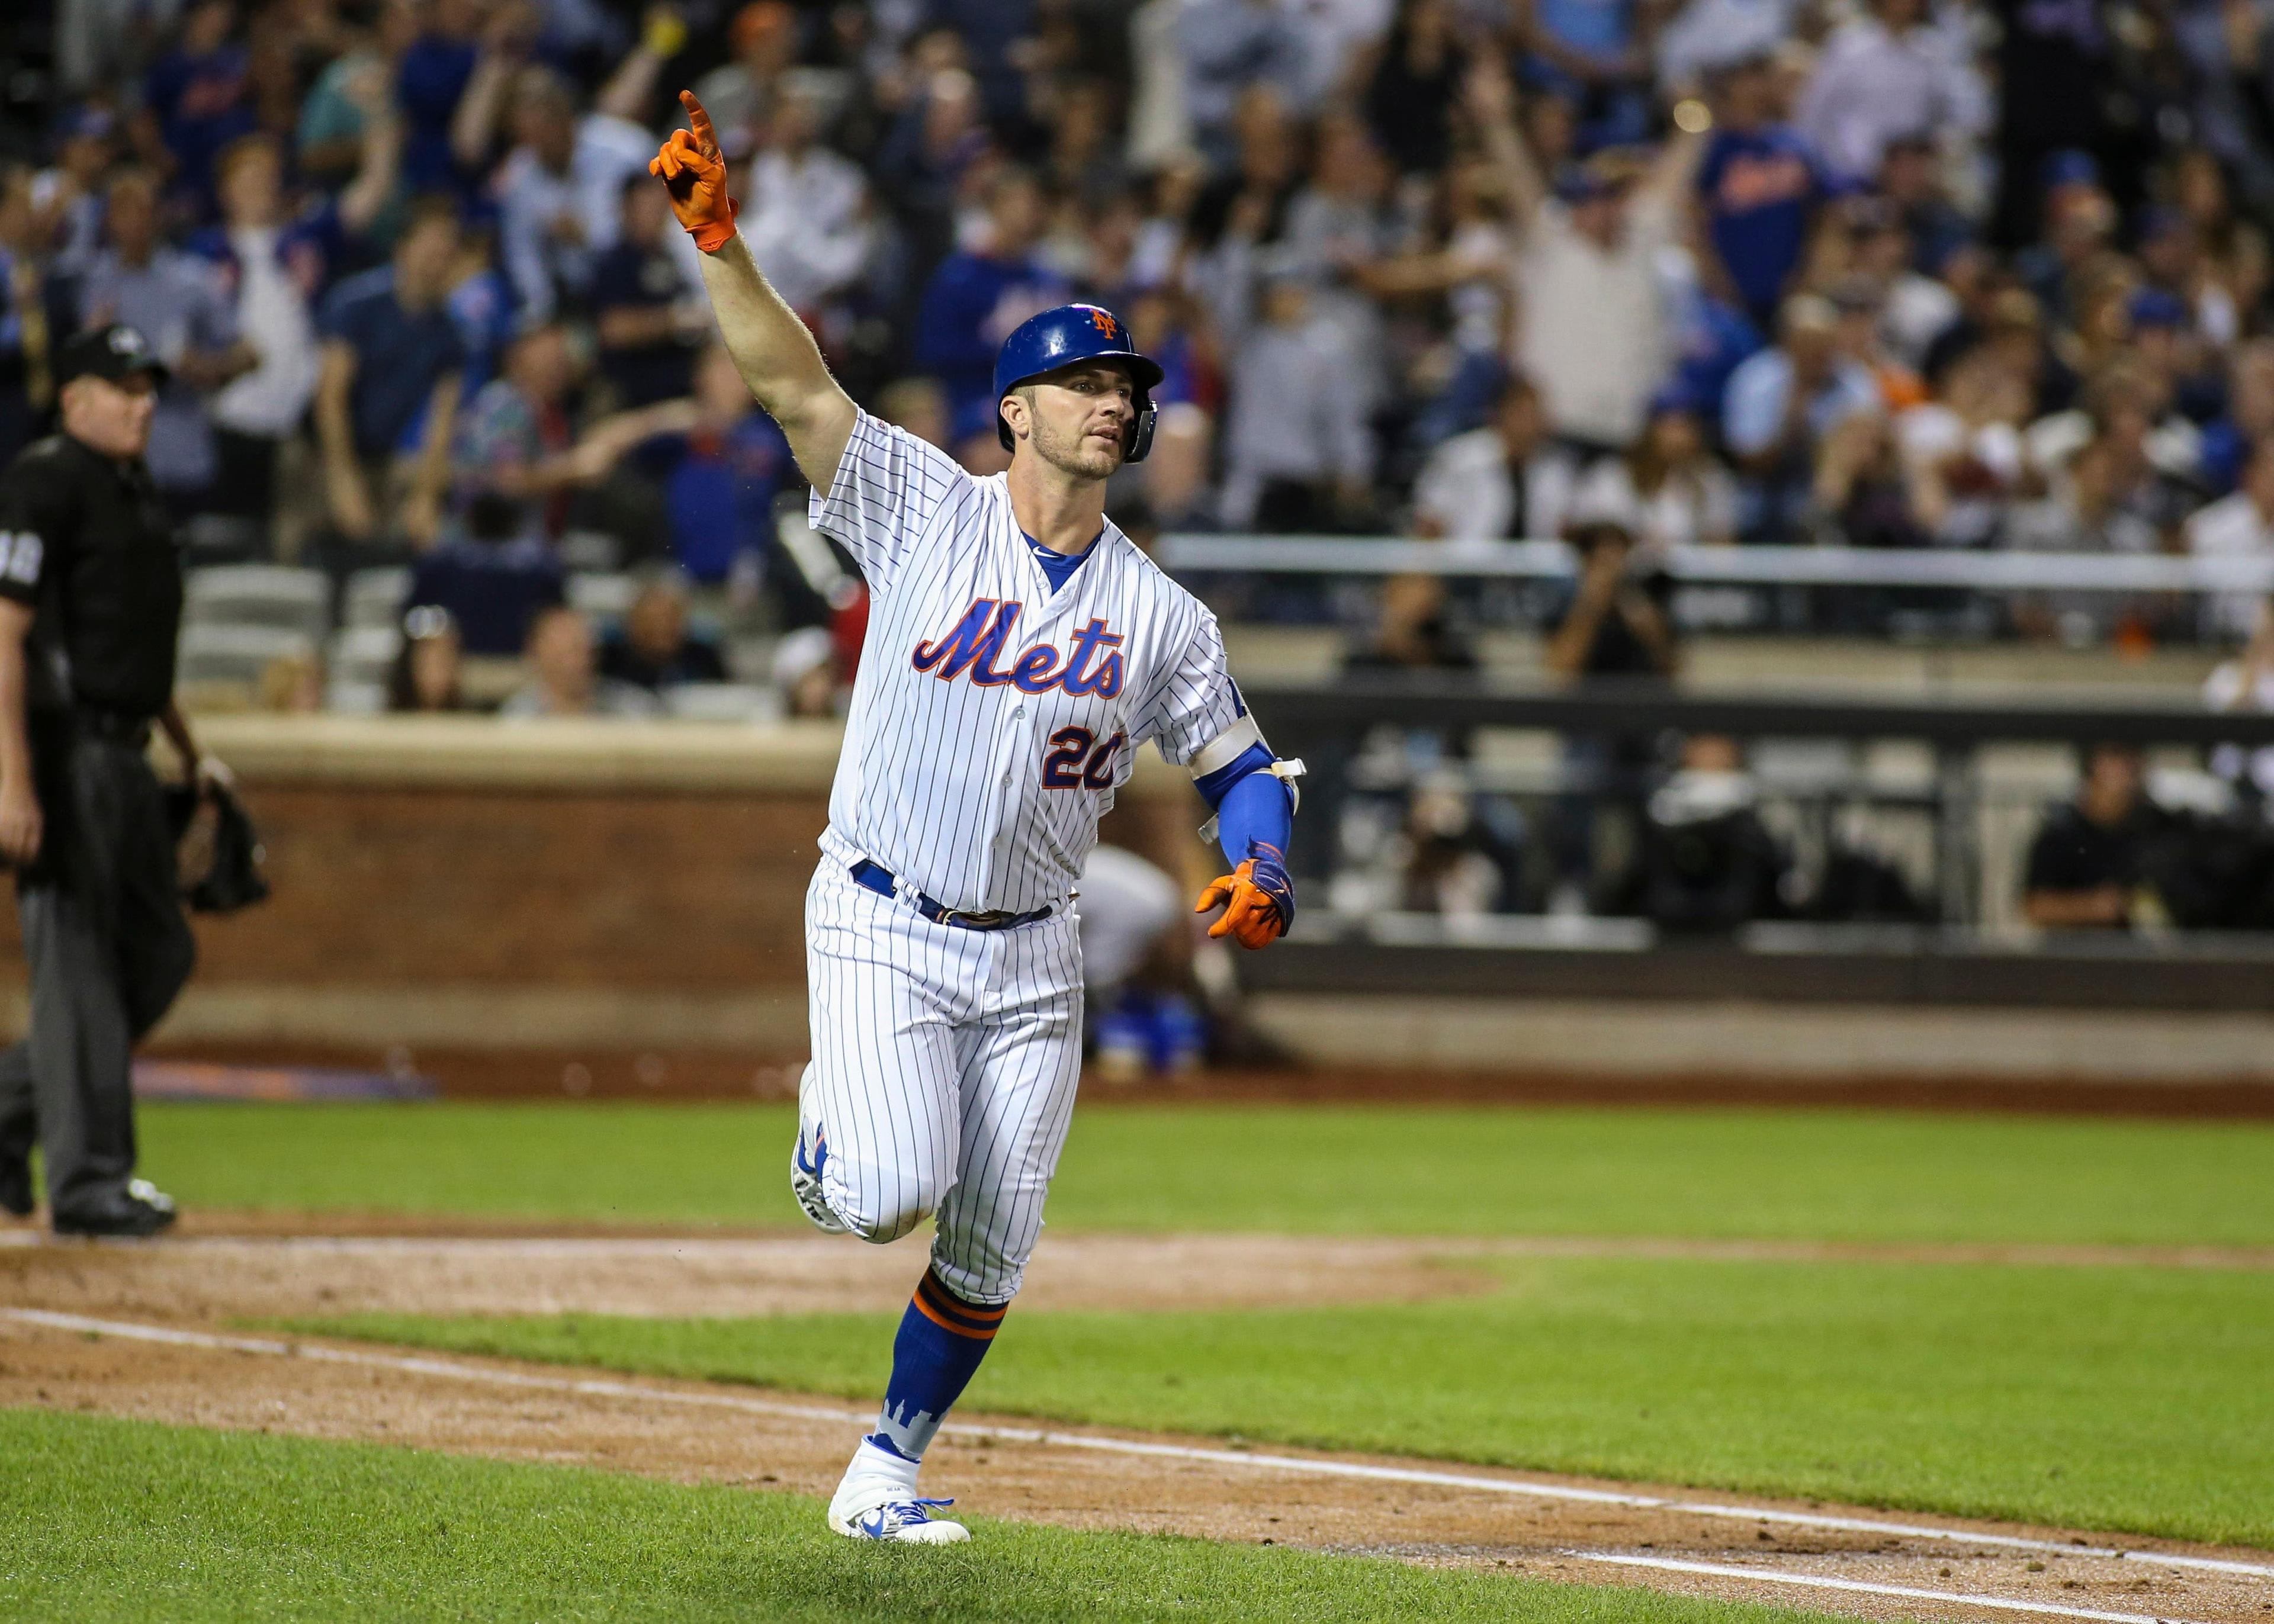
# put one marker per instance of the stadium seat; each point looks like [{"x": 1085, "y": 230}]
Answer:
[
  {"x": 274, "y": 596},
  {"x": 602, "y": 595},
  {"x": 364, "y": 653},
  {"x": 593, "y": 551},
  {"x": 375, "y": 596},
  {"x": 216, "y": 652},
  {"x": 721, "y": 702}
]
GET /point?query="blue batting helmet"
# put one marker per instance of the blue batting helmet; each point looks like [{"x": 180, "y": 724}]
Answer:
[{"x": 1063, "y": 336}]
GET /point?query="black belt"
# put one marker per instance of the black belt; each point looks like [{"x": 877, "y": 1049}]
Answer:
[
  {"x": 117, "y": 726},
  {"x": 874, "y": 877}
]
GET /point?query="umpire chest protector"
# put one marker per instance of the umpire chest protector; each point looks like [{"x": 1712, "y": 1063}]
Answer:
[{"x": 85, "y": 539}]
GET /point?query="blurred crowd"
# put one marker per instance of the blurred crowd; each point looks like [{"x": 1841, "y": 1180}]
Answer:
[
  {"x": 1879, "y": 272},
  {"x": 1636, "y": 274}
]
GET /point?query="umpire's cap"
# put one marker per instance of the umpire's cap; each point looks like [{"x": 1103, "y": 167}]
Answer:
[
  {"x": 115, "y": 352},
  {"x": 1061, "y": 337}
]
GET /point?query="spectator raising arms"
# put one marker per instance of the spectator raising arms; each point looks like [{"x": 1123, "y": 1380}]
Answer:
[
  {"x": 273, "y": 258},
  {"x": 1595, "y": 334}
]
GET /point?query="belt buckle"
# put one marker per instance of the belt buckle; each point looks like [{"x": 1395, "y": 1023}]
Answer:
[{"x": 987, "y": 920}]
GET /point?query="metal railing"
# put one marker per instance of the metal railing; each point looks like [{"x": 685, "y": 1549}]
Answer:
[
  {"x": 1192, "y": 553},
  {"x": 1968, "y": 812}
]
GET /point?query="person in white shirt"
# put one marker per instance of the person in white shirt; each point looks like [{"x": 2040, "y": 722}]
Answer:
[
  {"x": 807, "y": 223},
  {"x": 1593, "y": 331},
  {"x": 2247, "y": 684},
  {"x": 560, "y": 194},
  {"x": 1678, "y": 495},
  {"x": 1505, "y": 481},
  {"x": 1299, "y": 454},
  {"x": 1963, "y": 451},
  {"x": 2238, "y": 526},
  {"x": 1895, "y": 72}
]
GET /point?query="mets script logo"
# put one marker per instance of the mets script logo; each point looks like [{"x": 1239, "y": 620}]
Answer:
[
  {"x": 1103, "y": 320},
  {"x": 1091, "y": 665}
]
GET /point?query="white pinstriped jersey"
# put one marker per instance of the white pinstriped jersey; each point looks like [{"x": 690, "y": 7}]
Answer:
[{"x": 993, "y": 718}]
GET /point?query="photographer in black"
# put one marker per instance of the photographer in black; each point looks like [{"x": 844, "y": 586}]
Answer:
[
  {"x": 1618, "y": 627},
  {"x": 90, "y": 608}
]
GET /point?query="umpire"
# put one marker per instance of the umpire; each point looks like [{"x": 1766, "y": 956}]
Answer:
[{"x": 90, "y": 608}]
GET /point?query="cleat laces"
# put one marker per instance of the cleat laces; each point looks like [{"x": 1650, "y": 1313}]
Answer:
[{"x": 894, "y": 1515}]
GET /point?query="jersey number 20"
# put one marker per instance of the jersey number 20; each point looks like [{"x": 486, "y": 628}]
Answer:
[{"x": 1079, "y": 762}]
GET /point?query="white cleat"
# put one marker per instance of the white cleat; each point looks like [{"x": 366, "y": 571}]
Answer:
[
  {"x": 902, "y": 1518},
  {"x": 806, "y": 1161},
  {"x": 876, "y": 1498}
]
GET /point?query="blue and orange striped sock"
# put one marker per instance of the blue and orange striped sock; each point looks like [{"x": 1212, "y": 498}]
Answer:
[{"x": 941, "y": 1341}]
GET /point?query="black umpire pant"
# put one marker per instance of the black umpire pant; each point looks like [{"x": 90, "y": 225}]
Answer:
[{"x": 109, "y": 947}]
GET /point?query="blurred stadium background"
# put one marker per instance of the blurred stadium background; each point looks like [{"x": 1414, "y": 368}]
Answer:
[{"x": 1743, "y": 504}]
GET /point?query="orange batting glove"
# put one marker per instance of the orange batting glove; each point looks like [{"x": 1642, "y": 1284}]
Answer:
[
  {"x": 694, "y": 174},
  {"x": 1257, "y": 898}
]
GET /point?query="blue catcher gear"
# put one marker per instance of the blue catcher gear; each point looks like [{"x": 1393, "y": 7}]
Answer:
[{"x": 1063, "y": 336}]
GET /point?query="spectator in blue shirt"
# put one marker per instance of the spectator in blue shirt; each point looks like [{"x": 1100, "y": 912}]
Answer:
[
  {"x": 720, "y": 492},
  {"x": 1228, "y": 46},
  {"x": 197, "y": 93},
  {"x": 493, "y": 576},
  {"x": 1781, "y": 405},
  {"x": 428, "y": 82},
  {"x": 179, "y": 305},
  {"x": 387, "y": 391},
  {"x": 1760, "y": 187},
  {"x": 1597, "y": 52},
  {"x": 972, "y": 302},
  {"x": 647, "y": 319}
]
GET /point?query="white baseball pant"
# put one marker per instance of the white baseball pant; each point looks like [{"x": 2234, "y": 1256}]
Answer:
[{"x": 944, "y": 1065}]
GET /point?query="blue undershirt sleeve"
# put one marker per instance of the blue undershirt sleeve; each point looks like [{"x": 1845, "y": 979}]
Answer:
[{"x": 1257, "y": 807}]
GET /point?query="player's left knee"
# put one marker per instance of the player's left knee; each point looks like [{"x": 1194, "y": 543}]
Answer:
[{"x": 886, "y": 1218}]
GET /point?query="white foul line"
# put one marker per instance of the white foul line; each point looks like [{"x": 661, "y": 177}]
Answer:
[
  {"x": 1298, "y": 1465},
  {"x": 1819, "y": 1582}
]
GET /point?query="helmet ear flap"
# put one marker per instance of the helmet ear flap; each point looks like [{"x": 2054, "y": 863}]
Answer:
[{"x": 1140, "y": 443}]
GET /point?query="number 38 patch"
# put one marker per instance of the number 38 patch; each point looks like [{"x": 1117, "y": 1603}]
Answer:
[{"x": 20, "y": 552}]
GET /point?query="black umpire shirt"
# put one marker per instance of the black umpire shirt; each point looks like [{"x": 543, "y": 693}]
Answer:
[{"x": 85, "y": 540}]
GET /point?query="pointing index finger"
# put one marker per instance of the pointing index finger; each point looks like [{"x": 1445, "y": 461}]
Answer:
[{"x": 698, "y": 120}]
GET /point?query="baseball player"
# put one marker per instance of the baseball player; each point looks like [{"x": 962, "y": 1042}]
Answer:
[{"x": 1020, "y": 649}]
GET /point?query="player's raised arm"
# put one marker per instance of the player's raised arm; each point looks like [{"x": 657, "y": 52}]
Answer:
[{"x": 776, "y": 356}]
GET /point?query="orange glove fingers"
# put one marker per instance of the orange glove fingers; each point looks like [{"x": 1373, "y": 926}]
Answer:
[
  {"x": 1251, "y": 920},
  {"x": 696, "y": 175},
  {"x": 705, "y": 137},
  {"x": 1249, "y": 914}
]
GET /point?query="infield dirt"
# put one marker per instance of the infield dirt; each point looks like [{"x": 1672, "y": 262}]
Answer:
[{"x": 207, "y": 1282}]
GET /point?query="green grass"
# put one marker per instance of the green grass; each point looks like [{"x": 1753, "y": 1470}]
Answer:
[
  {"x": 1824, "y": 1175},
  {"x": 121, "y": 1520},
  {"x": 2115, "y": 1398}
]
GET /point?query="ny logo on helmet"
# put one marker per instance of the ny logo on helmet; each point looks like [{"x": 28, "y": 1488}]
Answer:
[{"x": 1103, "y": 320}]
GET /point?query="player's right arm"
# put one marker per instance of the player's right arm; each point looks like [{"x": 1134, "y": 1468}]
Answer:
[{"x": 771, "y": 348}]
